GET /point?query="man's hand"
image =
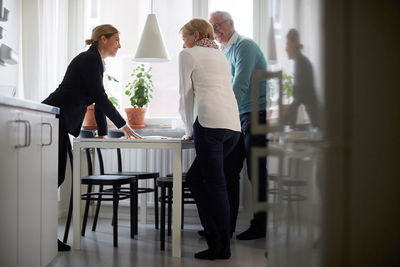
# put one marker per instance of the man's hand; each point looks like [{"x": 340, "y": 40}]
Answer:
[{"x": 129, "y": 133}]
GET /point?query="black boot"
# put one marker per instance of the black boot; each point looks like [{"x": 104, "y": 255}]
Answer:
[
  {"x": 62, "y": 246},
  {"x": 251, "y": 234},
  {"x": 201, "y": 233},
  {"x": 257, "y": 228},
  {"x": 216, "y": 249}
]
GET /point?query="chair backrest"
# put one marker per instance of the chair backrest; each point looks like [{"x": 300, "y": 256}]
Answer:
[
  {"x": 87, "y": 134},
  {"x": 257, "y": 77},
  {"x": 117, "y": 134},
  {"x": 89, "y": 161},
  {"x": 101, "y": 163}
]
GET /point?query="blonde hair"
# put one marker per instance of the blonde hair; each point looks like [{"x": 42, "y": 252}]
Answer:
[
  {"x": 105, "y": 29},
  {"x": 202, "y": 26}
]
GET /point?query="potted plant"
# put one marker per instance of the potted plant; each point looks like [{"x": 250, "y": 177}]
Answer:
[
  {"x": 89, "y": 122},
  {"x": 287, "y": 86},
  {"x": 287, "y": 91},
  {"x": 139, "y": 92}
]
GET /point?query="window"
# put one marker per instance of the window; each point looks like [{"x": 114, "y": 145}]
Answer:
[
  {"x": 166, "y": 77},
  {"x": 129, "y": 18},
  {"x": 241, "y": 12}
]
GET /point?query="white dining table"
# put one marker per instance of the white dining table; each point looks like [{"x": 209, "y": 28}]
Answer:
[{"x": 174, "y": 144}]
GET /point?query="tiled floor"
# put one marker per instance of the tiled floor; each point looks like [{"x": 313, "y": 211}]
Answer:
[{"x": 144, "y": 249}]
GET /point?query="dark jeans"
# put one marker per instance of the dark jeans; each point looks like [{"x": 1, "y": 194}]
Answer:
[
  {"x": 207, "y": 181},
  {"x": 234, "y": 165}
]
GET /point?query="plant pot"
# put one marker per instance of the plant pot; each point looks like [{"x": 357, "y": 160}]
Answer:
[
  {"x": 89, "y": 122},
  {"x": 136, "y": 117}
]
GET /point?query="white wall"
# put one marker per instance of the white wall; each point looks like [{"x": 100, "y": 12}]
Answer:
[{"x": 9, "y": 73}]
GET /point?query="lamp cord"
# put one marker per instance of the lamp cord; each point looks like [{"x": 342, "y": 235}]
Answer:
[{"x": 151, "y": 6}]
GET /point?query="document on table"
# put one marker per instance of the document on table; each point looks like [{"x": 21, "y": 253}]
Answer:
[{"x": 156, "y": 137}]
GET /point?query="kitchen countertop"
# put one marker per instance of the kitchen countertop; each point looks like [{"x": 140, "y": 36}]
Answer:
[{"x": 27, "y": 104}]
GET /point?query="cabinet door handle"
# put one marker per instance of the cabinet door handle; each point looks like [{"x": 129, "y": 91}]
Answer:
[
  {"x": 27, "y": 139},
  {"x": 51, "y": 134},
  {"x": 28, "y": 124}
]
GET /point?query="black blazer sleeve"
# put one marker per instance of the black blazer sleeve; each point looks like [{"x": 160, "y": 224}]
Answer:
[
  {"x": 93, "y": 78},
  {"x": 101, "y": 121}
]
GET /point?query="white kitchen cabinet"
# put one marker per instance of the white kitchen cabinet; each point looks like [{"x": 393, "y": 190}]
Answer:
[
  {"x": 8, "y": 188},
  {"x": 28, "y": 191},
  {"x": 49, "y": 142}
]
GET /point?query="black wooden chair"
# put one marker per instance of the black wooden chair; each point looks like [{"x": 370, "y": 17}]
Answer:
[
  {"x": 139, "y": 176},
  {"x": 115, "y": 195},
  {"x": 165, "y": 184}
]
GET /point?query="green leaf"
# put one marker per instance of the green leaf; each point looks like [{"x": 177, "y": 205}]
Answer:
[
  {"x": 114, "y": 100},
  {"x": 140, "y": 88}
]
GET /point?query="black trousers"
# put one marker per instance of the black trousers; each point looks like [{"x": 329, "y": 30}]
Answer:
[
  {"x": 234, "y": 165},
  {"x": 64, "y": 149},
  {"x": 207, "y": 181}
]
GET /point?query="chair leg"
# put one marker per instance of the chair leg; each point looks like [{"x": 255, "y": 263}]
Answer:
[
  {"x": 112, "y": 220},
  {"x": 68, "y": 224},
  {"x": 133, "y": 207},
  {"x": 96, "y": 215},
  {"x": 135, "y": 195},
  {"x": 155, "y": 202},
  {"x": 162, "y": 222},
  {"x": 169, "y": 210},
  {"x": 182, "y": 206},
  {"x": 182, "y": 211},
  {"x": 115, "y": 215},
  {"x": 85, "y": 214}
]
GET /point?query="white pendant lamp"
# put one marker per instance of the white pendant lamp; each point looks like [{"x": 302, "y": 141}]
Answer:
[
  {"x": 151, "y": 46},
  {"x": 272, "y": 58}
]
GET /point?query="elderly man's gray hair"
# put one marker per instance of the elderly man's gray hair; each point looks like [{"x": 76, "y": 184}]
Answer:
[{"x": 225, "y": 15}]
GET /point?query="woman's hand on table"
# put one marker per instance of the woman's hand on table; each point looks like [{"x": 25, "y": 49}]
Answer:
[
  {"x": 129, "y": 133},
  {"x": 187, "y": 137}
]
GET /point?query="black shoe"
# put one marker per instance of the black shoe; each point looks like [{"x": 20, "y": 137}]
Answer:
[
  {"x": 62, "y": 246},
  {"x": 203, "y": 233},
  {"x": 251, "y": 234},
  {"x": 216, "y": 249},
  {"x": 209, "y": 254}
]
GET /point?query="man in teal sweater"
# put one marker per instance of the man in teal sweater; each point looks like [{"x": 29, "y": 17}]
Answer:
[{"x": 244, "y": 55}]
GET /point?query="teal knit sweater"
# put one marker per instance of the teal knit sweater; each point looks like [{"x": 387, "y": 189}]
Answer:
[{"x": 244, "y": 56}]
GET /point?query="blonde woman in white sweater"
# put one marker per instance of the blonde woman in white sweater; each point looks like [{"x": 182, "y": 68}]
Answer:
[{"x": 210, "y": 113}]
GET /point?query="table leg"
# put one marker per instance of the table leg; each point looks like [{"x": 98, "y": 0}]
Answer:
[
  {"x": 177, "y": 199},
  {"x": 76, "y": 215}
]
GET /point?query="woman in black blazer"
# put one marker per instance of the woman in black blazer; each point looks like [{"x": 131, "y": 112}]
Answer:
[{"x": 82, "y": 86}]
